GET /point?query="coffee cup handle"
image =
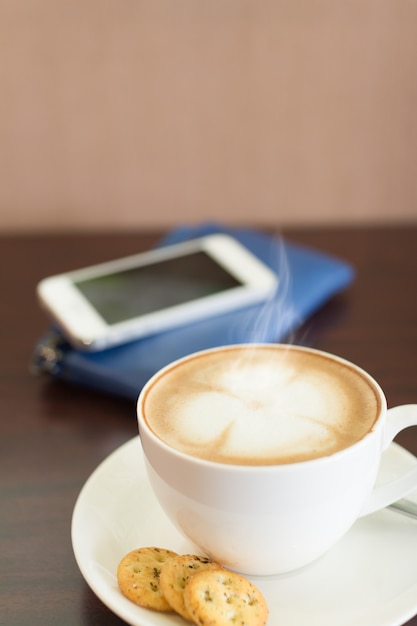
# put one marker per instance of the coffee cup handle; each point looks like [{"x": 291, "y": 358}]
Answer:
[{"x": 398, "y": 418}]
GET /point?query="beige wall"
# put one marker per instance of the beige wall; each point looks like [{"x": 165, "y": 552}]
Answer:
[{"x": 124, "y": 113}]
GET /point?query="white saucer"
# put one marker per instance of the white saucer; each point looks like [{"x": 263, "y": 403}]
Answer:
[{"x": 368, "y": 579}]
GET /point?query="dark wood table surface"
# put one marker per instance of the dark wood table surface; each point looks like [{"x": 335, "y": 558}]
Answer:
[{"x": 53, "y": 435}]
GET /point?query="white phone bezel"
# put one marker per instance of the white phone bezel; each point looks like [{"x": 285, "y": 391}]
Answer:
[{"x": 85, "y": 327}]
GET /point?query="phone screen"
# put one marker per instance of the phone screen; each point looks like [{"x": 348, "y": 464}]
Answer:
[{"x": 145, "y": 289}]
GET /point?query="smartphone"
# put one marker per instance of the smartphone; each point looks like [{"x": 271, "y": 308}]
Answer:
[{"x": 137, "y": 296}]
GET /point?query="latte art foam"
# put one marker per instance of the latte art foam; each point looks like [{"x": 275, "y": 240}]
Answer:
[{"x": 261, "y": 406}]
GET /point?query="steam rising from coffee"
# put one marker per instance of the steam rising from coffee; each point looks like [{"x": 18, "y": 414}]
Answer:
[
  {"x": 269, "y": 322},
  {"x": 272, "y": 320}
]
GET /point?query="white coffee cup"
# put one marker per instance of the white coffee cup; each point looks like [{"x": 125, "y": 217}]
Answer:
[{"x": 260, "y": 514}]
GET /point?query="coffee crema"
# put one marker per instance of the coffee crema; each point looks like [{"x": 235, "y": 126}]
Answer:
[{"x": 261, "y": 405}]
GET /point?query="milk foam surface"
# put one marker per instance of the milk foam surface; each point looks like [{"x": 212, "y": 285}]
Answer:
[{"x": 261, "y": 406}]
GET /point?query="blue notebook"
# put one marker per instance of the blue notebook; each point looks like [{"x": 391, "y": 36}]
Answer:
[{"x": 308, "y": 278}]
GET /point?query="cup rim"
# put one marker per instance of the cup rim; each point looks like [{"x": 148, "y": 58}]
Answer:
[{"x": 198, "y": 461}]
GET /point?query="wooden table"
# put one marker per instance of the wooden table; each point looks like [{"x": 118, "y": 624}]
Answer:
[{"x": 52, "y": 435}]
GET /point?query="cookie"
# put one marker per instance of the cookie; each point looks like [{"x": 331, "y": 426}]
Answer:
[
  {"x": 223, "y": 598},
  {"x": 138, "y": 577},
  {"x": 176, "y": 573}
]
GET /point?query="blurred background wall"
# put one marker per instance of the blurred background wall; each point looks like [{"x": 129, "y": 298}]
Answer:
[{"x": 118, "y": 114}]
